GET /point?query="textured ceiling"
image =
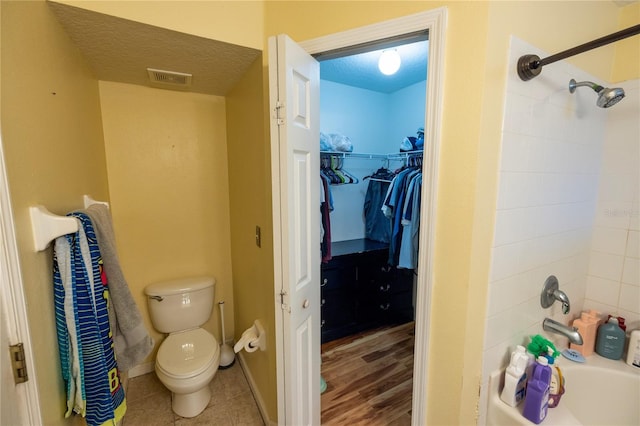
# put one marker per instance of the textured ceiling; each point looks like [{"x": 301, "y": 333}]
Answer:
[
  {"x": 362, "y": 71},
  {"x": 122, "y": 50}
]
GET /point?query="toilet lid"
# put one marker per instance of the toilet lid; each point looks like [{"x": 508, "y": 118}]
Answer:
[{"x": 188, "y": 353}]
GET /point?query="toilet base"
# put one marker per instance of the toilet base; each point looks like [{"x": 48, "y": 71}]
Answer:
[{"x": 190, "y": 404}]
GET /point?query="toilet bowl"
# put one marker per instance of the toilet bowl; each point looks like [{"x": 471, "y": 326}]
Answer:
[{"x": 189, "y": 357}]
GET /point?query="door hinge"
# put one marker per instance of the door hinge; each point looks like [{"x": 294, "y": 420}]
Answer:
[
  {"x": 279, "y": 113},
  {"x": 283, "y": 304},
  {"x": 18, "y": 363}
]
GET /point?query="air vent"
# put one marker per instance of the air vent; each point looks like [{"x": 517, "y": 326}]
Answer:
[{"x": 169, "y": 77}]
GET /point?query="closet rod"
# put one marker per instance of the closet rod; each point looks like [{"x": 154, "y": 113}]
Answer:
[{"x": 47, "y": 226}]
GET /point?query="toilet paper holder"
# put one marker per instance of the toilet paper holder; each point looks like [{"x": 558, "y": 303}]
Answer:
[{"x": 252, "y": 339}]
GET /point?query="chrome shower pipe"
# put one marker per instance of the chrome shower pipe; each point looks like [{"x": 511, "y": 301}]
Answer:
[{"x": 530, "y": 66}]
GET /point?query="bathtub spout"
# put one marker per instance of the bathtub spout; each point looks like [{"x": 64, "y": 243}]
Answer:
[{"x": 555, "y": 327}]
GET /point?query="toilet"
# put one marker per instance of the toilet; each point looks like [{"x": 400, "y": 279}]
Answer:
[{"x": 189, "y": 357}]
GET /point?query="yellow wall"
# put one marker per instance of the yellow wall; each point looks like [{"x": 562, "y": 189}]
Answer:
[
  {"x": 51, "y": 140},
  {"x": 477, "y": 39},
  {"x": 250, "y": 198},
  {"x": 167, "y": 166},
  {"x": 466, "y": 44},
  {"x": 233, "y": 21},
  {"x": 627, "y": 52},
  {"x": 52, "y": 136}
]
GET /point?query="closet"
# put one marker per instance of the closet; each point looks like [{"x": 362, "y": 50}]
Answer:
[{"x": 369, "y": 134}]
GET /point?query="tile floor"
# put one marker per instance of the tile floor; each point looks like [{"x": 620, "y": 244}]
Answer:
[{"x": 232, "y": 403}]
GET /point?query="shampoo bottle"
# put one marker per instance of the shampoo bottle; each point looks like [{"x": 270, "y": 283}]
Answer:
[
  {"x": 610, "y": 343},
  {"x": 587, "y": 326},
  {"x": 536, "y": 403},
  {"x": 633, "y": 353},
  {"x": 515, "y": 378}
]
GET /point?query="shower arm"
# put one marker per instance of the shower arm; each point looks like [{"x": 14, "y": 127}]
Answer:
[{"x": 530, "y": 66}]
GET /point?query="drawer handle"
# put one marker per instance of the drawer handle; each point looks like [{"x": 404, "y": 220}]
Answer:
[
  {"x": 324, "y": 282},
  {"x": 322, "y": 302},
  {"x": 385, "y": 307},
  {"x": 385, "y": 289},
  {"x": 321, "y": 323}
]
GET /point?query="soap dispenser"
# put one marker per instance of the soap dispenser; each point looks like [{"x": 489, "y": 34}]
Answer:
[{"x": 610, "y": 343}]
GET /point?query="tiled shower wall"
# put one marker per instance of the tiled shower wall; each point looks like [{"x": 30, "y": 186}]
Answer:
[
  {"x": 613, "y": 283},
  {"x": 549, "y": 172}
]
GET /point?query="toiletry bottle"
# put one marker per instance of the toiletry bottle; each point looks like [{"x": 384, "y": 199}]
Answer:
[
  {"x": 515, "y": 378},
  {"x": 556, "y": 387},
  {"x": 633, "y": 352},
  {"x": 610, "y": 343},
  {"x": 597, "y": 315},
  {"x": 621, "y": 324},
  {"x": 587, "y": 326},
  {"x": 536, "y": 403}
]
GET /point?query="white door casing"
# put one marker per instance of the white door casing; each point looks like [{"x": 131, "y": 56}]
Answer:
[
  {"x": 19, "y": 402},
  {"x": 294, "y": 88},
  {"x": 434, "y": 21}
]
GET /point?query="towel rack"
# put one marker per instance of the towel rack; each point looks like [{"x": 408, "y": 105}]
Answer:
[{"x": 47, "y": 226}]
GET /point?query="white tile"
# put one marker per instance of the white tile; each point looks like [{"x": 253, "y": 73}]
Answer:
[
  {"x": 499, "y": 328},
  {"x": 613, "y": 214},
  {"x": 505, "y": 261},
  {"x": 515, "y": 148},
  {"x": 609, "y": 240},
  {"x": 616, "y": 187},
  {"x": 629, "y": 298},
  {"x": 634, "y": 213},
  {"x": 633, "y": 244},
  {"x": 602, "y": 290},
  {"x": 599, "y": 306},
  {"x": 631, "y": 271},
  {"x": 508, "y": 226},
  {"x": 604, "y": 265}
]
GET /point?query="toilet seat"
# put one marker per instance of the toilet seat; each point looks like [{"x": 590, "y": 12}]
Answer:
[{"x": 187, "y": 354}]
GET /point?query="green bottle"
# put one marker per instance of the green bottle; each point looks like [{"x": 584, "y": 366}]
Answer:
[{"x": 610, "y": 343}]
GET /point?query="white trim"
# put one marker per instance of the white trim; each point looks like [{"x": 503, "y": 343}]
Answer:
[
  {"x": 14, "y": 300},
  {"x": 141, "y": 369},
  {"x": 277, "y": 235},
  {"x": 435, "y": 22}
]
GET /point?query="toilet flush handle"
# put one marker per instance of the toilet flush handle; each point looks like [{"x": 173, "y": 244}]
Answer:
[{"x": 158, "y": 298}]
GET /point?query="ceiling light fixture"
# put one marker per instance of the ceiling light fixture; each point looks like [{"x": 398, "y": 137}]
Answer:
[{"x": 389, "y": 62}]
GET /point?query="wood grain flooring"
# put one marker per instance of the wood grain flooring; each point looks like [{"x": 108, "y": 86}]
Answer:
[{"x": 369, "y": 378}]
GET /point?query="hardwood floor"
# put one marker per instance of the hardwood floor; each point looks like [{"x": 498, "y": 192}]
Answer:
[{"x": 369, "y": 378}]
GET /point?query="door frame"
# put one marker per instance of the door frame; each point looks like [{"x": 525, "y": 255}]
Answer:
[
  {"x": 434, "y": 21},
  {"x": 15, "y": 319}
]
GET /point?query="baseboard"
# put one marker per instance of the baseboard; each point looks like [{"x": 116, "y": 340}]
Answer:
[
  {"x": 141, "y": 369},
  {"x": 254, "y": 389}
]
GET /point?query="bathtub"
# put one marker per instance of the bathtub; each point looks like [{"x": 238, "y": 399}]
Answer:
[{"x": 597, "y": 392}]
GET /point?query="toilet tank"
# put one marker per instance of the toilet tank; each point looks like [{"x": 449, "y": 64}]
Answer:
[{"x": 180, "y": 304}]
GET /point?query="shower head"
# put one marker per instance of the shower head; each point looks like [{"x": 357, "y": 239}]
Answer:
[{"x": 606, "y": 97}]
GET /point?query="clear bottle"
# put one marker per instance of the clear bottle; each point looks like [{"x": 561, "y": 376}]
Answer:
[
  {"x": 536, "y": 403},
  {"x": 610, "y": 343}
]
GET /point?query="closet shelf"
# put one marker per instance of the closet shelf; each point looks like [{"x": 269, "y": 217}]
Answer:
[
  {"x": 371, "y": 156},
  {"x": 47, "y": 226}
]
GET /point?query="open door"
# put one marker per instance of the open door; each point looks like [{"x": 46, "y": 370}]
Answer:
[{"x": 294, "y": 88}]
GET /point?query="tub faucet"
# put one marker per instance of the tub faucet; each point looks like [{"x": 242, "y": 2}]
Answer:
[
  {"x": 551, "y": 292},
  {"x": 555, "y": 327}
]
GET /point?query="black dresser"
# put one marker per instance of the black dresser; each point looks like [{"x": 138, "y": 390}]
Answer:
[{"x": 359, "y": 290}]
